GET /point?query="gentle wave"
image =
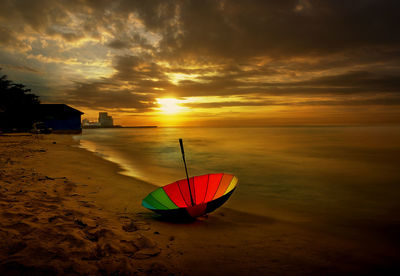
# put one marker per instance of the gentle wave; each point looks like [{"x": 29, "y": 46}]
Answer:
[{"x": 298, "y": 174}]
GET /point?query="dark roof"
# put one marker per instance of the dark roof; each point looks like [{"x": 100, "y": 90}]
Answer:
[{"x": 55, "y": 109}]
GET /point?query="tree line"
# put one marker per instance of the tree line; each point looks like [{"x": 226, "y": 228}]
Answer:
[{"x": 17, "y": 106}]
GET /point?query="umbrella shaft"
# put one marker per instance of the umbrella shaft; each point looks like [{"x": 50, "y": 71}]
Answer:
[{"x": 187, "y": 175}]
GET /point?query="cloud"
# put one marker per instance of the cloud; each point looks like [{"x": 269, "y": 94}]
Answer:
[
  {"x": 359, "y": 80},
  {"x": 21, "y": 68},
  {"x": 10, "y": 41},
  {"x": 118, "y": 44},
  {"x": 346, "y": 83},
  {"x": 390, "y": 100},
  {"x": 231, "y": 29},
  {"x": 106, "y": 95},
  {"x": 220, "y": 29},
  {"x": 125, "y": 53}
]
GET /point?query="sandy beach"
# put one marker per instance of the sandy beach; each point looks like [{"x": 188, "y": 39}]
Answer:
[{"x": 65, "y": 210}]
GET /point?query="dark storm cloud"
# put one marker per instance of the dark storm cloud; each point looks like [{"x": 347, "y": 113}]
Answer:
[
  {"x": 41, "y": 16},
  {"x": 367, "y": 81},
  {"x": 233, "y": 29},
  {"x": 347, "y": 83},
  {"x": 119, "y": 44},
  {"x": 22, "y": 68},
  {"x": 237, "y": 29},
  {"x": 129, "y": 87},
  {"x": 229, "y": 29},
  {"x": 141, "y": 73},
  {"x": 392, "y": 100},
  {"x": 283, "y": 48},
  {"x": 105, "y": 94},
  {"x": 9, "y": 39},
  {"x": 134, "y": 68},
  {"x": 339, "y": 34},
  {"x": 129, "y": 41}
]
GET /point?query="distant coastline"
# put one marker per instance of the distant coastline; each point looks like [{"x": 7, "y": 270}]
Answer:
[{"x": 91, "y": 126}]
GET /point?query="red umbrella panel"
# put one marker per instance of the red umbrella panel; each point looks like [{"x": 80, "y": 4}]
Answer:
[{"x": 205, "y": 194}]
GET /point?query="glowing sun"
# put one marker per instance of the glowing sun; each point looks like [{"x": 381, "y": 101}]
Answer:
[{"x": 169, "y": 105}]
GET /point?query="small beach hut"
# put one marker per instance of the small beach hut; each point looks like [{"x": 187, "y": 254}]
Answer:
[{"x": 61, "y": 118}]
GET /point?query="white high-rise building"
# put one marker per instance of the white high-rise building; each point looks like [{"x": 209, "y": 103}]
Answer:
[{"x": 105, "y": 120}]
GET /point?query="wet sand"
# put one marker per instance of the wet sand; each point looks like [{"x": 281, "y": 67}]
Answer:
[{"x": 65, "y": 210}]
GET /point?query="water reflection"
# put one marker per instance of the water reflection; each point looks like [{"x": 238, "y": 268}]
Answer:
[{"x": 297, "y": 173}]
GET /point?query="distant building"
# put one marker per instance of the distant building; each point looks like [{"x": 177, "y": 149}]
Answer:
[
  {"x": 105, "y": 120},
  {"x": 89, "y": 124},
  {"x": 61, "y": 118},
  {"x": 85, "y": 122}
]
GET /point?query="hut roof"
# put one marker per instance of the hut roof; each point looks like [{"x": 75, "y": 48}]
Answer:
[{"x": 57, "y": 109}]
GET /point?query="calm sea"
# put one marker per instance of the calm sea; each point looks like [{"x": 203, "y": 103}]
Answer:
[{"x": 337, "y": 174}]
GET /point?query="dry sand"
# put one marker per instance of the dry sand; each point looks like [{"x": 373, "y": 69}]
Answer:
[
  {"x": 67, "y": 211},
  {"x": 48, "y": 224}
]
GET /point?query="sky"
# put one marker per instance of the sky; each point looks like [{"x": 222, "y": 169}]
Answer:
[{"x": 209, "y": 63}]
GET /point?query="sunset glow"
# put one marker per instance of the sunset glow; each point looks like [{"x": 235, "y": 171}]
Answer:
[
  {"x": 245, "y": 63},
  {"x": 169, "y": 106},
  {"x": 125, "y": 125}
]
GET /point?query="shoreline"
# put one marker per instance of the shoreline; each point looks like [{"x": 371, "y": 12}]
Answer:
[
  {"x": 52, "y": 223},
  {"x": 226, "y": 241},
  {"x": 121, "y": 168},
  {"x": 288, "y": 216},
  {"x": 127, "y": 171}
]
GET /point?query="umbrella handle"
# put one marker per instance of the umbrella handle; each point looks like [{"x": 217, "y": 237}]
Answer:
[{"x": 187, "y": 175}]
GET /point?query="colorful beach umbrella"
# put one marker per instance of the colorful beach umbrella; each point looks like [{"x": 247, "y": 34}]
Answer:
[{"x": 194, "y": 196}]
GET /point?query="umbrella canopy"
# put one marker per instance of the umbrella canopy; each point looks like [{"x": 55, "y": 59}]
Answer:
[{"x": 192, "y": 197}]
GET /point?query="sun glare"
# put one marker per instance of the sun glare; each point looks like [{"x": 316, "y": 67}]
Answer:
[{"x": 169, "y": 105}]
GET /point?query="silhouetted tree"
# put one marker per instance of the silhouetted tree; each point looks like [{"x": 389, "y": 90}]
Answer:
[{"x": 17, "y": 105}]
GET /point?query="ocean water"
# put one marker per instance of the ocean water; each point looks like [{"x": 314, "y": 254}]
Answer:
[{"x": 339, "y": 175}]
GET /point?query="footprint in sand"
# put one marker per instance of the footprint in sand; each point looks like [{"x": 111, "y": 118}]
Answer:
[
  {"x": 15, "y": 247},
  {"x": 21, "y": 228},
  {"x": 130, "y": 227}
]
